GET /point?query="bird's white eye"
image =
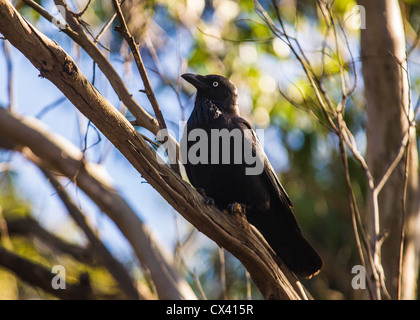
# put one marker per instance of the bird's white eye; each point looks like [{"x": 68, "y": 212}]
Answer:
[{"x": 215, "y": 84}]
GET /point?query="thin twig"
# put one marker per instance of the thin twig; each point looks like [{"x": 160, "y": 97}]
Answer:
[
  {"x": 327, "y": 108},
  {"x": 77, "y": 34},
  {"x": 9, "y": 65},
  {"x": 373, "y": 291},
  {"x": 248, "y": 285},
  {"x": 299, "y": 54},
  {"x": 411, "y": 118},
  {"x": 175, "y": 89},
  {"x": 50, "y": 106},
  {"x": 180, "y": 252},
  {"x": 269, "y": 39},
  {"x": 106, "y": 26},
  {"x": 403, "y": 217},
  {"x": 394, "y": 163},
  {"x": 223, "y": 273},
  {"x": 125, "y": 33},
  {"x": 83, "y": 10}
]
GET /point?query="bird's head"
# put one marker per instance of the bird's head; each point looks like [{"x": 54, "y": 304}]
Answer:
[{"x": 221, "y": 91}]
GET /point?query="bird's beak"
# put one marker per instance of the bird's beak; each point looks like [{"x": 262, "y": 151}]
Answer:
[{"x": 196, "y": 80}]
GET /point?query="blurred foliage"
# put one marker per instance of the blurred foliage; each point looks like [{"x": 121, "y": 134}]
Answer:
[
  {"x": 228, "y": 37},
  {"x": 14, "y": 207}
]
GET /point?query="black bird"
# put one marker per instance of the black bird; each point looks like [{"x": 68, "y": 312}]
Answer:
[{"x": 266, "y": 203}]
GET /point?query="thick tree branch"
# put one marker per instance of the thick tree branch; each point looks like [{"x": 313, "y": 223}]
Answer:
[
  {"x": 46, "y": 149},
  {"x": 30, "y": 227},
  {"x": 230, "y": 232},
  {"x": 75, "y": 31}
]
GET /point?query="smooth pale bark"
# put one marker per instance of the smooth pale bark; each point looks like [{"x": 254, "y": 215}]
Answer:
[{"x": 383, "y": 55}]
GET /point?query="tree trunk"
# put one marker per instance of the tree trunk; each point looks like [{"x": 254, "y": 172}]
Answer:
[{"x": 384, "y": 66}]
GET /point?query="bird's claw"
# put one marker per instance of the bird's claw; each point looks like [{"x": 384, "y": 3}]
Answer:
[
  {"x": 207, "y": 200},
  {"x": 236, "y": 208}
]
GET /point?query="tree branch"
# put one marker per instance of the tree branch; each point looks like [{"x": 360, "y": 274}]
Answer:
[
  {"x": 231, "y": 232},
  {"x": 115, "y": 268},
  {"x": 46, "y": 149},
  {"x": 125, "y": 33},
  {"x": 75, "y": 31},
  {"x": 30, "y": 227},
  {"x": 123, "y": 30}
]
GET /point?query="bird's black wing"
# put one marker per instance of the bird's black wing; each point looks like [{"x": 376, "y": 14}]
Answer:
[
  {"x": 268, "y": 172},
  {"x": 278, "y": 224}
]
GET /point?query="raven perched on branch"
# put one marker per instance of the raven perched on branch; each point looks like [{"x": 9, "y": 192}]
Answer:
[{"x": 234, "y": 178}]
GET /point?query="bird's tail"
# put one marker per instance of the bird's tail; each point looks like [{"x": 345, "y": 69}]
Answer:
[
  {"x": 299, "y": 256},
  {"x": 284, "y": 236}
]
